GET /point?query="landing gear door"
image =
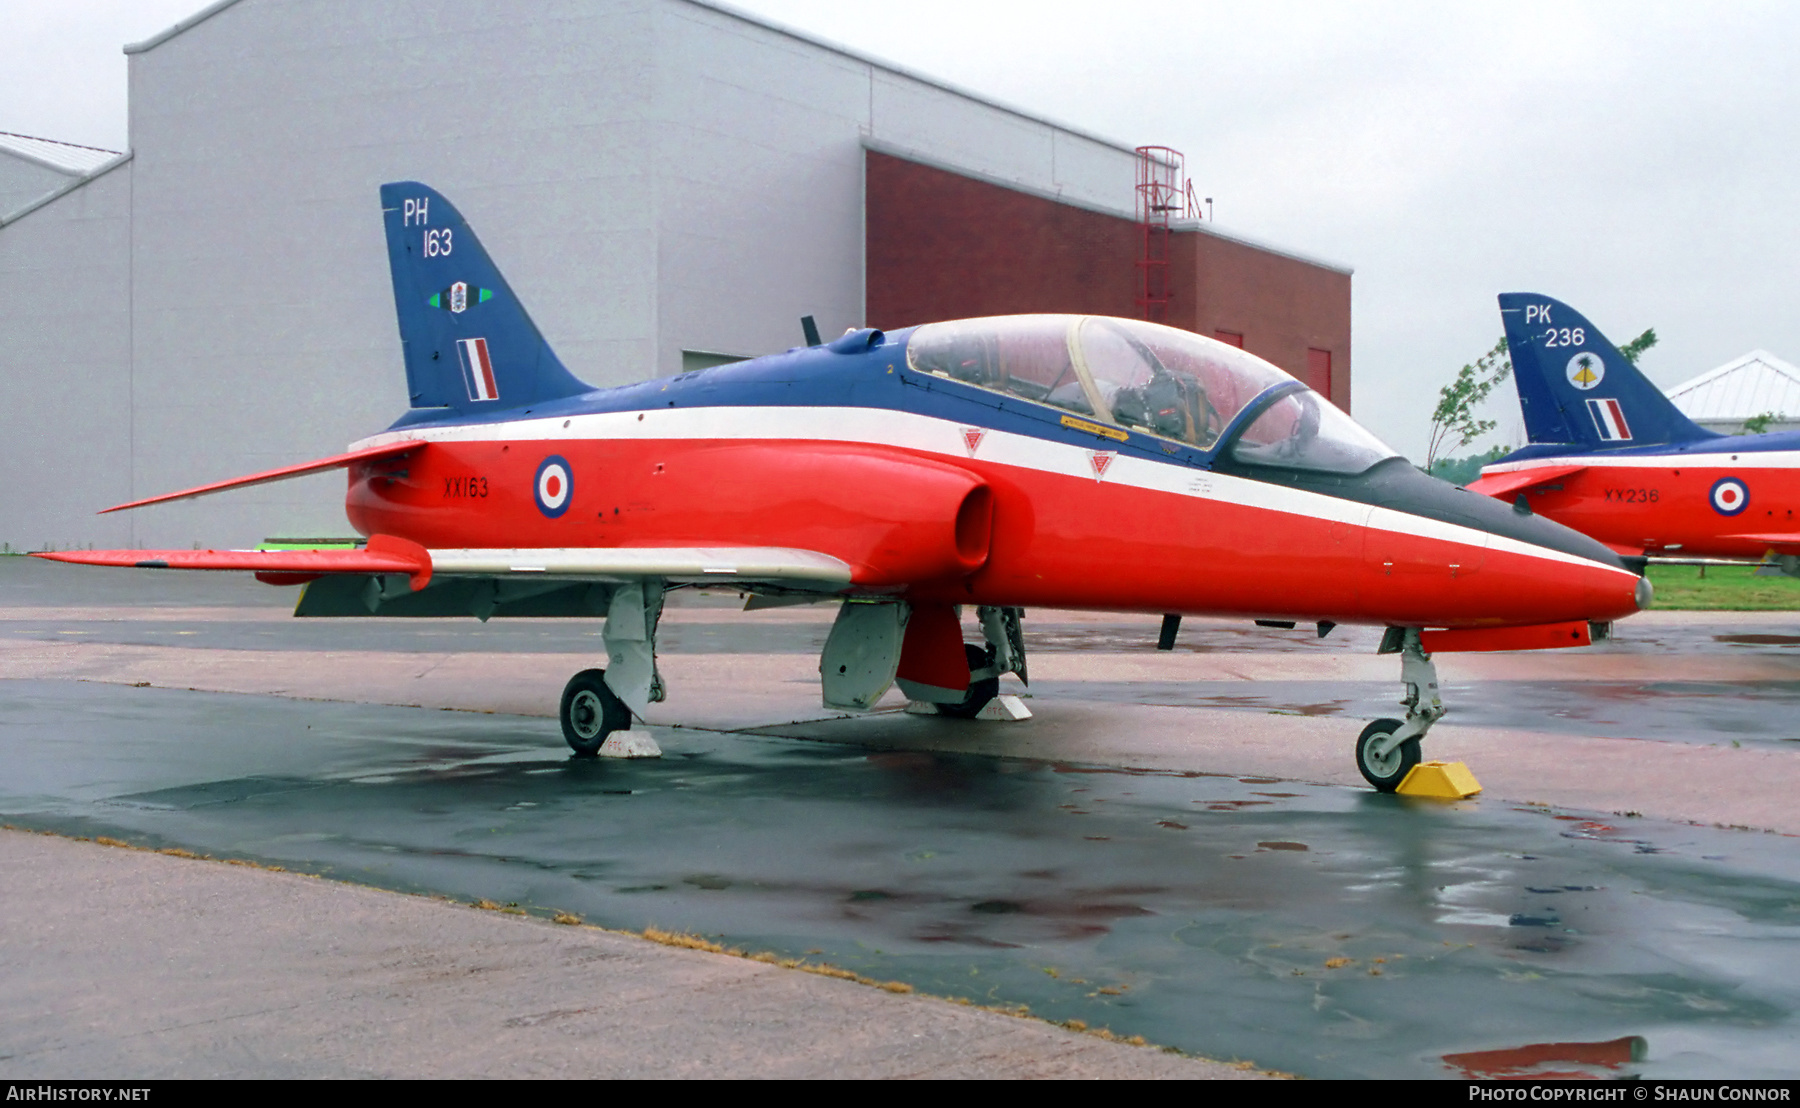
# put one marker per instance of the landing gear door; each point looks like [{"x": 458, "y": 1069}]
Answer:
[{"x": 862, "y": 653}]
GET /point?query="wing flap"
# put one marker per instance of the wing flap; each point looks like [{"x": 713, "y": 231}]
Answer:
[
  {"x": 336, "y": 461},
  {"x": 1502, "y": 485}
]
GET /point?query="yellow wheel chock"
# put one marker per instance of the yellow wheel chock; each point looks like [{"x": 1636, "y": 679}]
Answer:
[{"x": 1442, "y": 780}]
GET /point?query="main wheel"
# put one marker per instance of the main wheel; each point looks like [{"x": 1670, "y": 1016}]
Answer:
[
  {"x": 980, "y": 692},
  {"x": 590, "y": 712},
  {"x": 1385, "y": 773}
]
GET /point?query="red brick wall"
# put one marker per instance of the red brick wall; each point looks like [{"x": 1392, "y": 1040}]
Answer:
[
  {"x": 1282, "y": 306},
  {"x": 944, "y": 246}
]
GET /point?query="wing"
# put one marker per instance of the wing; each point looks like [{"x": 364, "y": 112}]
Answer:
[
  {"x": 572, "y": 583},
  {"x": 473, "y": 582},
  {"x": 383, "y": 555},
  {"x": 699, "y": 565},
  {"x": 1502, "y": 485},
  {"x": 1781, "y": 540},
  {"x": 336, "y": 461}
]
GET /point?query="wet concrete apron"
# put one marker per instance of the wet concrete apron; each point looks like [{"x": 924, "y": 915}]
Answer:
[{"x": 1316, "y": 929}]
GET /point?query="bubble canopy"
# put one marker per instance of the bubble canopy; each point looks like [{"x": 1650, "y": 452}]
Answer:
[{"x": 1150, "y": 378}]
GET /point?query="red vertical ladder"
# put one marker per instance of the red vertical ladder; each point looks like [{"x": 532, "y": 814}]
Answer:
[{"x": 1163, "y": 193}]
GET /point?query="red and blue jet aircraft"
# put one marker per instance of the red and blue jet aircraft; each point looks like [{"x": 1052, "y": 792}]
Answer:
[
  {"x": 1610, "y": 456},
  {"x": 1056, "y": 460}
]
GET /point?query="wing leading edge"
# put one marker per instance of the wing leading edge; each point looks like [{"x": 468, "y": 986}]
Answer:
[
  {"x": 336, "y": 461},
  {"x": 1501, "y": 485},
  {"x": 384, "y": 554}
]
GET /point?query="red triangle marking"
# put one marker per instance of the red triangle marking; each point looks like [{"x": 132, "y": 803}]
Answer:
[
  {"x": 972, "y": 437},
  {"x": 1100, "y": 460}
]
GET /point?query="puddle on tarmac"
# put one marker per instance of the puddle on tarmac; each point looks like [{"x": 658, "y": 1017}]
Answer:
[{"x": 1328, "y": 932}]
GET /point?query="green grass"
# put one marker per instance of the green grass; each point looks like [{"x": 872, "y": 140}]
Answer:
[{"x": 1724, "y": 588}]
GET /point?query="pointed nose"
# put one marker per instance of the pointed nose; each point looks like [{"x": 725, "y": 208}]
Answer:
[{"x": 1508, "y": 567}]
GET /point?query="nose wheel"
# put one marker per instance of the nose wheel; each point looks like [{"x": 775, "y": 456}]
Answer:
[
  {"x": 1388, "y": 749},
  {"x": 1385, "y": 769},
  {"x": 590, "y": 712}
]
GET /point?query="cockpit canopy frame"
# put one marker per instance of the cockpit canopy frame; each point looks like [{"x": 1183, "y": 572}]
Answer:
[{"x": 1151, "y": 379}]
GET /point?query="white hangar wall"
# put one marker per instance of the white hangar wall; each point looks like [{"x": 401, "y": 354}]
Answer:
[
  {"x": 65, "y": 355},
  {"x": 23, "y": 180},
  {"x": 760, "y": 140},
  {"x": 653, "y": 176}
]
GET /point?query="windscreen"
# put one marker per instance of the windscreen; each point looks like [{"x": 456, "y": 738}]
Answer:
[
  {"x": 1303, "y": 431},
  {"x": 1157, "y": 379}
]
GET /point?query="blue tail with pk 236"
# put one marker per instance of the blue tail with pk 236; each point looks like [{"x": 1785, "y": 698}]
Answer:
[{"x": 1576, "y": 389}]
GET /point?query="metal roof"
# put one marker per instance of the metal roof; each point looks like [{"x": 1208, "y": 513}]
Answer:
[
  {"x": 64, "y": 157},
  {"x": 1744, "y": 387}
]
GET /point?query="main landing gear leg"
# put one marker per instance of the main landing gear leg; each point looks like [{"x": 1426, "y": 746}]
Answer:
[
  {"x": 597, "y": 702},
  {"x": 1388, "y": 749},
  {"x": 1004, "y": 653}
]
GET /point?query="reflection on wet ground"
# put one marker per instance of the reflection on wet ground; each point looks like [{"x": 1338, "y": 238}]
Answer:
[
  {"x": 1728, "y": 713},
  {"x": 1547, "y": 1061},
  {"x": 1325, "y": 931}
]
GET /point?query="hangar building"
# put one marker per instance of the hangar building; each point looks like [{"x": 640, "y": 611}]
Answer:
[
  {"x": 665, "y": 183},
  {"x": 1757, "y": 384}
]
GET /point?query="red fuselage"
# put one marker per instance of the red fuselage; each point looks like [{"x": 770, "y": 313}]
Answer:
[
  {"x": 1715, "y": 503},
  {"x": 918, "y": 512}
]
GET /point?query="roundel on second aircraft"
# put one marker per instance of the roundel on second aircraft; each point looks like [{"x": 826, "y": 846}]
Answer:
[
  {"x": 1729, "y": 496},
  {"x": 554, "y": 486},
  {"x": 1586, "y": 370}
]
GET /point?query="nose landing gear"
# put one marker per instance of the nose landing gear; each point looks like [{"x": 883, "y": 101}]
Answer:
[{"x": 1388, "y": 749}]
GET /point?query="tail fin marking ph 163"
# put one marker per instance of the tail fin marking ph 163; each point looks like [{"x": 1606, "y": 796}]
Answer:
[
  {"x": 1575, "y": 388},
  {"x": 470, "y": 346}
]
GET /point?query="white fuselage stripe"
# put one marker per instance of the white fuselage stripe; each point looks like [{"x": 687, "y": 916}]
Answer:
[
  {"x": 1768, "y": 459},
  {"x": 932, "y": 435}
]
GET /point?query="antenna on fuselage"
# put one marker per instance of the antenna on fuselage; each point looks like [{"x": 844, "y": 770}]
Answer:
[{"x": 811, "y": 329}]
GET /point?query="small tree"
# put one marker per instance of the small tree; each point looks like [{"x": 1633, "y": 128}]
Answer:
[
  {"x": 1453, "y": 423},
  {"x": 1637, "y": 346},
  {"x": 1460, "y": 471},
  {"x": 1759, "y": 424}
]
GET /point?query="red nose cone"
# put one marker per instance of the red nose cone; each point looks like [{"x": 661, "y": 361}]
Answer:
[{"x": 1541, "y": 589}]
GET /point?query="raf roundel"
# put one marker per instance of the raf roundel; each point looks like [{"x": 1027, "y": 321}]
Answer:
[
  {"x": 1729, "y": 496},
  {"x": 1586, "y": 370},
  {"x": 555, "y": 486}
]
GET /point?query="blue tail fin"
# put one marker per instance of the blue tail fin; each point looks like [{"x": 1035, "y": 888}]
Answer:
[
  {"x": 470, "y": 346},
  {"x": 1576, "y": 388}
]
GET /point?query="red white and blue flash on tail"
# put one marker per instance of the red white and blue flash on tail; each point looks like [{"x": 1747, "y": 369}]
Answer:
[
  {"x": 1609, "y": 420},
  {"x": 478, "y": 369}
]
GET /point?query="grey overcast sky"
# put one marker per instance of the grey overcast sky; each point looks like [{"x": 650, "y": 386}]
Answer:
[{"x": 1638, "y": 160}]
